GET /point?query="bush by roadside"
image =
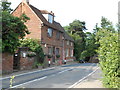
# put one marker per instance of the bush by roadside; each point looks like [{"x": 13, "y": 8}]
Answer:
[{"x": 109, "y": 58}]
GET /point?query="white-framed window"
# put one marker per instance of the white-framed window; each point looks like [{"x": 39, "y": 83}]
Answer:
[
  {"x": 50, "y": 18},
  {"x": 50, "y": 32},
  {"x": 71, "y": 43},
  {"x": 57, "y": 51},
  {"x": 71, "y": 52},
  {"x": 67, "y": 52},
  {"x": 67, "y": 42},
  {"x": 49, "y": 50}
]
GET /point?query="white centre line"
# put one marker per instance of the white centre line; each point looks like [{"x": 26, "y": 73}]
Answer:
[
  {"x": 38, "y": 79},
  {"x": 47, "y": 76},
  {"x": 64, "y": 71}
]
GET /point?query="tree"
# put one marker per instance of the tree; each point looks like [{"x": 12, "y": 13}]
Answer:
[
  {"x": 6, "y": 6},
  {"x": 90, "y": 46},
  {"x": 13, "y": 29},
  {"x": 76, "y": 30},
  {"x": 106, "y": 24}
]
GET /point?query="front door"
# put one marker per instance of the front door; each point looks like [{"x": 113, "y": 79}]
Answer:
[{"x": 16, "y": 61}]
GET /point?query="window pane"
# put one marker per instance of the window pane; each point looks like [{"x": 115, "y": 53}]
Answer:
[
  {"x": 67, "y": 52},
  {"x": 71, "y": 52},
  {"x": 71, "y": 44},
  {"x": 50, "y": 32},
  {"x": 57, "y": 51},
  {"x": 58, "y": 35},
  {"x": 49, "y": 50},
  {"x": 67, "y": 42},
  {"x": 50, "y": 18}
]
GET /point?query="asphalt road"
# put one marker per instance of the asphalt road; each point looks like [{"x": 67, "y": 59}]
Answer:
[{"x": 56, "y": 77}]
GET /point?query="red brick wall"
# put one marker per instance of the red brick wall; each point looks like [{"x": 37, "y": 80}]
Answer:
[
  {"x": 68, "y": 47},
  {"x": 26, "y": 63},
  {"x": 7, "y": 63},
  {"x": 51, "y": 41},
  {"x": 33, "y": 25}
]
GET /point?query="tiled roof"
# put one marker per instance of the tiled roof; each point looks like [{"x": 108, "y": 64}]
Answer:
[
  {"x": 46, "y": 12},
  {"x": 67, "y": 37},
  {"x": 42, "y": 18},
  {"x": 54, "y": 25}
]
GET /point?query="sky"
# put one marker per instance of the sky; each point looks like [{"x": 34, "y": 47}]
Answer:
[{"x": 66, "y": 11}]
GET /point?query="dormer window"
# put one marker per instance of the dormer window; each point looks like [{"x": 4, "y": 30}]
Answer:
[{"x": 50, "y": 18}]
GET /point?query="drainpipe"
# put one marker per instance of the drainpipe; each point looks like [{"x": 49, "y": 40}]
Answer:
[{"x": 63, "y": 49}]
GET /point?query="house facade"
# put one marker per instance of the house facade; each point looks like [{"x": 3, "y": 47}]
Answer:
[{"x": 53, "y": 38}]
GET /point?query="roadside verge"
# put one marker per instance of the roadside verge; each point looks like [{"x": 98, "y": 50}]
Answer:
[{"x": 93, "y": 80}]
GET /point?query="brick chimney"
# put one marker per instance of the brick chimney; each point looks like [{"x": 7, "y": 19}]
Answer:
[{"x": 25, "y": 1}]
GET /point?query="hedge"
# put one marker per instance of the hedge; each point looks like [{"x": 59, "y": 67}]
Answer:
[{"x": 109, "y": 58}]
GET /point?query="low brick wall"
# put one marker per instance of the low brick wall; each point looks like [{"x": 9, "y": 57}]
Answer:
[
  {"x": 7, "y": 63},
  {"x": 26, "y": 63}
]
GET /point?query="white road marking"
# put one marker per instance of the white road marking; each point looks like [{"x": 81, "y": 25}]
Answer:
[
  {"x": 33, "y": 72},
  {"x": 26, "y": 73},
  {"x": 83, "y": 78},
  {"x": 64, "y": 71},
  {"x": 38, "y": 79},
  {"x": 44, "y": 76},
  {"x": 29, "y": 82}
]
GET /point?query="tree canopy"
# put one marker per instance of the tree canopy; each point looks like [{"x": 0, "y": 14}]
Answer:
[
  {"x": 76, "y": 30},
  {"x": 13, "y": 29}
]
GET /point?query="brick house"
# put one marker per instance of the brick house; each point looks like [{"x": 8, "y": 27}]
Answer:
[{"x": 52, "y": 36}]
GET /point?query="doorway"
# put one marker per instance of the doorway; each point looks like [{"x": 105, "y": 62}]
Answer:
[
  {"x": 16, "y": 61},
  {"x": 53, "y": 58}
]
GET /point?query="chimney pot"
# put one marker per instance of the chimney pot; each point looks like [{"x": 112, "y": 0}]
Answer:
[{"x": 25, "y": 1}]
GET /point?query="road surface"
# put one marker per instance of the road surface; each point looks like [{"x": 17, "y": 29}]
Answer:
[{"x": 55, "y": 77}]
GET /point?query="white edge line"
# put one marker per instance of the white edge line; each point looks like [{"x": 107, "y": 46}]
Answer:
[
  {"x": 83, "y": 78},
  {"x": 29, "y": 82}
]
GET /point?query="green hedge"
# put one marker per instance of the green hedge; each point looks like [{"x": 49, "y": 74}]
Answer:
[{"x": 109, "y": 58}]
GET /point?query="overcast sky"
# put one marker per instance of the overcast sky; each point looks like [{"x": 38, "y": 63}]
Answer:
[{"x": 66, "y": 11}]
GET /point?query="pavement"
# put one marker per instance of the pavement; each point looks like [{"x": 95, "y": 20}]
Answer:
[{"x": 92, "y": 81}]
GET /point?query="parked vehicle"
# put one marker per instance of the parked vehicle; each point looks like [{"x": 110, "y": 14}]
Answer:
[{"x": 81, "y": 61}]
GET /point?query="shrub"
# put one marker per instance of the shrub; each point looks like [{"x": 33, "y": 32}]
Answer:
[
  {"x": 31, "y": 54},
  {"x": 58, "y": 56},
  {"x": 35, "y": 47},
  {"x": 109, "y": 58},
  {"x": 49, "y": 56}
]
